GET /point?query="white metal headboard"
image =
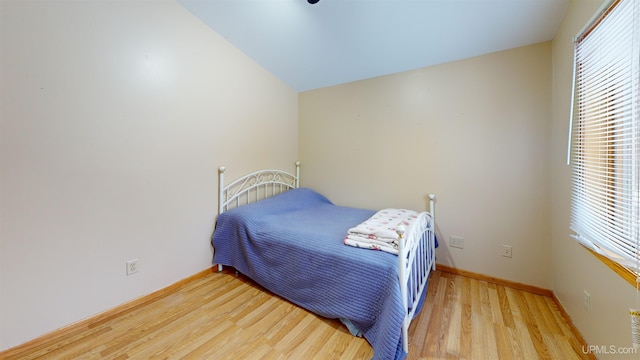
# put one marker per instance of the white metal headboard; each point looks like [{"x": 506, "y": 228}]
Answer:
[{"x": 255, "y": 186}]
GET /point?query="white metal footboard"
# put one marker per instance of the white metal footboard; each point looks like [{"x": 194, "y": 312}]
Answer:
[{"x": 416, "y": 259}]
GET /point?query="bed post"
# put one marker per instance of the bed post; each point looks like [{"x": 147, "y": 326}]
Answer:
[
  {"x": 432, "y": 199},
  {"x": 297, "y": 174},
  {"x": 432, "y": 210},
  {"x": 402, "y": 275},
  {"x": 221, "y": 170}
]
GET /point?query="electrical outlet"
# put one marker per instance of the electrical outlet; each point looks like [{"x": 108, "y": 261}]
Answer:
[
  {"x": 506, "y": 251},
  {"x": 456, "y": 242},
  {"x": 132, "y": 266},
  {"x": 586, "y": 302}
]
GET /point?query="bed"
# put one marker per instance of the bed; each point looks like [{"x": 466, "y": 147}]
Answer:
[{"x": 290, "y": 240}]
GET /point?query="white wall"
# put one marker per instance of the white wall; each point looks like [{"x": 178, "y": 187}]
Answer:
[
  {"x": 474, "y": 132},
  {"x": 115, "y": 116},
  {"x": 575, "y": 270}
]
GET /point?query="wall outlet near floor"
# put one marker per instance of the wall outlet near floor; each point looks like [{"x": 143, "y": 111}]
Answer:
[
  {"x": 132, "y": 266},
  {"x": 506, "y": 251},
  {"x": 456, "y": 242},
  {"x": 586, "y": 302}
]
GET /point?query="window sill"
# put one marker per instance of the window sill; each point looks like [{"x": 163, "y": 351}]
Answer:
[{"x": 624, "y": 272}]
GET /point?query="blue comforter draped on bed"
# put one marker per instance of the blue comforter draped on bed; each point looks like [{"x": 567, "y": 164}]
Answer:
[{"x": 308, "y": 264}]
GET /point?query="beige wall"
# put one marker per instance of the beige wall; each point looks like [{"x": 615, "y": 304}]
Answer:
[
  {"x": 115, "y": 116},
  {"x": 474, "y": 132},
  {"x": 574, "y": 269}
]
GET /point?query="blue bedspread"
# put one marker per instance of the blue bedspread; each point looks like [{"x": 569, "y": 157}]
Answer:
[{"x": 308, "y": 264}]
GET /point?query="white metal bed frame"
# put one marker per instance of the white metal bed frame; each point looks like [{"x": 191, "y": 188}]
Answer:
[{"x": 417, "y": 251}]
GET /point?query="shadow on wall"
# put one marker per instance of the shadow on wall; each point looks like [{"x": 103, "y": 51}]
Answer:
[{"x": 443, "y": 255}]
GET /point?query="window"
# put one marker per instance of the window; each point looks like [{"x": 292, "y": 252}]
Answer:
[{"x": 605, "y": 134}]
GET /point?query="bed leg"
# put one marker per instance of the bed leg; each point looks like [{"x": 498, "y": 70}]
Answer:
[
  {"x": 219, "y": 267},
  {"x": 405, "y": 338}
]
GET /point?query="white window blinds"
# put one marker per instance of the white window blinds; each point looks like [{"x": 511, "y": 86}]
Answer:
[{"x": 605, "y": 211}]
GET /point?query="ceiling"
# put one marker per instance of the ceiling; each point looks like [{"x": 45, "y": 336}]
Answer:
[{"x": 338, "y": 41}]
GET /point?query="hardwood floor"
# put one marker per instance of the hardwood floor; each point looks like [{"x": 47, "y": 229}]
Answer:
[{"x": 226, "y": 316}]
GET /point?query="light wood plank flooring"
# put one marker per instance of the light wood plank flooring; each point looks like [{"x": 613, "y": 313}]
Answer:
[{"x": 226, "y": 316}]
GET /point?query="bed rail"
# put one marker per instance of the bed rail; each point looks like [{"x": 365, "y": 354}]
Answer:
[{"x": 255, "y": 186}]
